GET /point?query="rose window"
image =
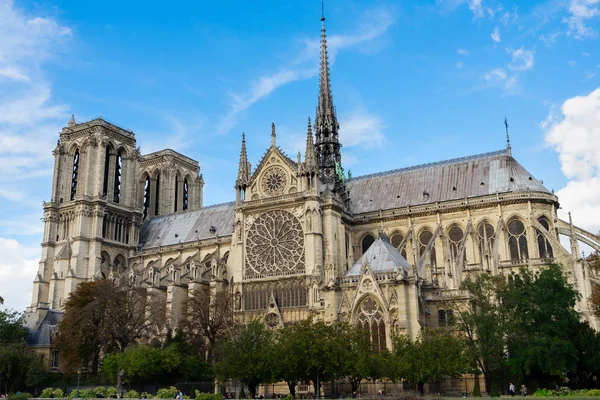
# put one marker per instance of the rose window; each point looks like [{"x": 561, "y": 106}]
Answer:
[
  {"x": 275, "y": 245},
  {"x": 274, "y": 181}
]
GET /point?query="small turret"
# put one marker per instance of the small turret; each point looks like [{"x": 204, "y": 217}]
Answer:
[{"x": 72, "y": 122}]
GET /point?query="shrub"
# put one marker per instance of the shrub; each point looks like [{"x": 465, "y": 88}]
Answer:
[
  {"x": 476, "y": 387},
  {"x": 99, "y": 390},
  {"x": 46, "y": 393},
  {"x": 208, "y": 396},
  {"x": 83, "y": 394},
  {"x": 132, "y": 394},
  {"x": 20, "y": 396},
  {"x": 166, "y": 393},
  {"x": 110, "y": 391},
  {"x": 543, "y": 393}
]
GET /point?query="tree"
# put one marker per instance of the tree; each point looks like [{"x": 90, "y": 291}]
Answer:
[
  {"x": 15, "y": 358},
  {"x": 485, "y": 321},
  {"x": 101, "y": 317},
  {"x": 245, "y": 357},
  {"x": 435, "y": 354},
  {"x": 544, "y": 322},
  {"x": 285, "y": 357},
  {"x": 209, "y": 319},
  {"x": 359, "y": 358},
  {"x": 595, "y": 299}
]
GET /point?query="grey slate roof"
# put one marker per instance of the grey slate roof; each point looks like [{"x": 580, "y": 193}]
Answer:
[
  {"x": 472, "y": 176},
  {"x": 42, "y": 336},
  {"x": 189, "y": 226},
  {"x": 381, "y": 256}
]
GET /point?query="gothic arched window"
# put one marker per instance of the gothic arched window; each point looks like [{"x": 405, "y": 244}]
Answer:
[
  {"x": 146, "y": 196},
  {"x": 176, "y": 193},
  {"x": 370, "y": 318},
  {"x": 106, "y": 171},
  {"x": 396, "y": 240},
  {"x": 157, "y": 194},
  {"x": 185, "y": 194},
  {"x": 517, "y": 240},
  {"x": 544, "y": 246},
  {"x": 118, "y": 174},
  {"x": 486, "y": 243},
  {"x": 441, "y": 317},
  {"x": 424, "y": 238},
  {"x": 74, "y": 175},
  {"x": 367, "y": 241},
  {"x": 455, "y": 237}
]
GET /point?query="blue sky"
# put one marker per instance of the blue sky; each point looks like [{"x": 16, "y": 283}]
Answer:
[{"x": 413, "y": 82}]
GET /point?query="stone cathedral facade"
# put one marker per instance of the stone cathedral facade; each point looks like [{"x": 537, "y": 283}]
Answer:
[{"x": 301, "y": 238}]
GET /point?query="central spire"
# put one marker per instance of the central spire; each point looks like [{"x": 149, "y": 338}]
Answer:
[{"x": 327, "y": 145}]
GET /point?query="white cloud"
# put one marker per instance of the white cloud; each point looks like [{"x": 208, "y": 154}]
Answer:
[
  {"x": 462, "y": 52},
  {"x": 14, "y": 73},
  {"x": 476, "y": 8},
  {"x": 522, "y": 60},
  {"x": 496, "y": 35},
  {"x": 575, "y": 135},
  {"x": 581, "y": 12},
  {"x": 18, "y": 266},
  {"x": 549, "y": 39},
  {"x": 585, "y": 54},
  {"x": 497, "y": 74},
  {"x": 459, "y": 65},
  {"x": 508, "y": 17},
  {"x": 361, "y": 128},
  {"x": 374, "y": 24},
  {"x": 572, "y": 63}
]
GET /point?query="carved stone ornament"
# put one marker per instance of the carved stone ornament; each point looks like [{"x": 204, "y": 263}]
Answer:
[
  {"x": 274, "y": 181},
  {"x": 272, "y": 320},
  {"x": 275, "y": 244}
]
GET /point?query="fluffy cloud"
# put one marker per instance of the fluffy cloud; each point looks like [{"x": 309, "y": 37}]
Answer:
[
  {"x": 496, "y": 35},
  {"x": 497, "y": 74},
  {"x": 574, "y": 132},
  {"x": 476, "y": 8},
  {"x": 462, "y": 52},
  {"x": 580, "y": 13},
  {"x": 360, "y": 128},
  {"x": 18, "y": 266}
]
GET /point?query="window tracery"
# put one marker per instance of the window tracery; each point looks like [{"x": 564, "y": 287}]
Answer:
[
  {"x": 396, "y": 240},
  {"x": 275, "y": 245},
  {"x": 370, "y": 317},
  {"x": 118, "y": 174},
  {"x": 487, "y": 236},
  {"x": 517, "y": 241},
  {"x": 455, "y": 237},
  {"x": 544, "y": 247},
  {"x": 424, "y": 238},
  {"x": 290, "y": 293}
]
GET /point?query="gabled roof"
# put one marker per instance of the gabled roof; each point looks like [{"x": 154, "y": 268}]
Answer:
[
  {"x": 472, "y": 176},
  {"x": 184, "y": 227},
  {"x": 42, "y": 336},
  {"x": 382, "y": 256},
  {"x": 292, "y": 164}
]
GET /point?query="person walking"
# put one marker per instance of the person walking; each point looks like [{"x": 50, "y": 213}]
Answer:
[
  {"x": 523, "y": 390},
  {"x": 511, "y": 389}
]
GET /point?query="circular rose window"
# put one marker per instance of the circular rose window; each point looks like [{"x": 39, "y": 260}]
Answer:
[
  {"x": 275, "y": 244},
  {"x": 274, "y": 181}
]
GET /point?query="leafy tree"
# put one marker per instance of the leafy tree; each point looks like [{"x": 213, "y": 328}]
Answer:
[
  {"x": 544, "y": 321},
  {"x": 209, "y": 319},
  {"x": 285, "y": 357},
  {"x": 245, "y": 357},
  {"x": 101, "y": 317},
  {"x": 435, "y": 354},
  {"x": 15, "y": 358},
  {"x": 595, "y": 299},
  {"x": 360, "y": 357},
  {"x": 485, "y": 322}
]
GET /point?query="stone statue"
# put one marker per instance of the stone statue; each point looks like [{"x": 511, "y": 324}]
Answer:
[{"x": 120, "y": 376}]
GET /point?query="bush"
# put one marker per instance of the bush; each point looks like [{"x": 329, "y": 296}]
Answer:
[
  {"x": 132, "y": 394},
  {"x": 46, "y": 393},
  {"x": 208, "y": 396},
  {"x": 543, "y": 393},
  {"x": 110, "y": 391},
  {"x": 83, "y": 394},
  {"x": 166, "y": 393},
  {"x": 20, "y": 396}
]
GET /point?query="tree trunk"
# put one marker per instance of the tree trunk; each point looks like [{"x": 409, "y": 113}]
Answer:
[
  {"x": 252, "y": 390},
  {"x": 421, "y": 387},
  {"x": 292, "y": 388},
  {"x": 355, "y": 383}
]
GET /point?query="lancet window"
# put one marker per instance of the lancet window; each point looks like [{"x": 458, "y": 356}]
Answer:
[
  {"x": 397, "y": 238},
  {"x": 176, "y": 193},
  {"x": 75, "y": 174},
  {"x": 424, "y": 238},
  {"x": 370, "y": 317},
  {"x": 455, "y": 237},
  {"x": 517, "y": 240},
  {"x": 118, "y": 174},
  {"x": 544, "y": 247},
  {"x": 106, "y": 171},
  {"x": 367, "y": 241},
  {"x": 487, "y": 236},
  {"x": 185, "y": 194},
  {"x": 146, "y": 196},
  {"x": 157, "y": 195},
  {"x": 287, "y": 294}
]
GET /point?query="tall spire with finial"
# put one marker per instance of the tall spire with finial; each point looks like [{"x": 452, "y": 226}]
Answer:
[
  {"x": 326, "y": 126},
  {"x": 508, "y": 149},
  {"x": 243, "y": 172}
]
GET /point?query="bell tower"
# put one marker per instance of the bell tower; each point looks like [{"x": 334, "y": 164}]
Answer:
[{"x": 92, "y": 221}]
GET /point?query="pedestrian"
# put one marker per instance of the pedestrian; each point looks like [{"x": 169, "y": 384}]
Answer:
[
  {"x": 523, "y": 390},
  {"x": 511, "y": 389}
]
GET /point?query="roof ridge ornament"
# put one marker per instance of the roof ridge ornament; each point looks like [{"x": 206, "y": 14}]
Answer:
[
  {"x": 508, "y": 148},
  {"x": 273, "y": 136}
]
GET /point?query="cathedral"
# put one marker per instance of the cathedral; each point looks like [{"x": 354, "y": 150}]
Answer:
[{"x": 301, "y": 237}]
